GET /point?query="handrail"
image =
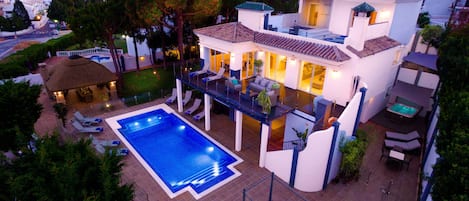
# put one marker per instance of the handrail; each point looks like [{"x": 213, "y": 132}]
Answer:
[{"x": 84, "y": 52}]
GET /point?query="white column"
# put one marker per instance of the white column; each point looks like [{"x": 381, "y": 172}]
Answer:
[
  {"x": 179, "y": 97},
  {"x": 293, "y": 72},
  {"x": 239, "y": 130},
  {"x": 207, "y": 106},
  {"x": 264, "y": 141},
  {"x": 205, "y": 55},
  {"x": 236, "y": 60}
]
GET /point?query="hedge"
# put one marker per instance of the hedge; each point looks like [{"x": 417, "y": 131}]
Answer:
[{"x": 26, "y": 60}]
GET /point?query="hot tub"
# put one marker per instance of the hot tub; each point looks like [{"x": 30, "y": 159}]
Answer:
[{"x": 403, "y": 110}]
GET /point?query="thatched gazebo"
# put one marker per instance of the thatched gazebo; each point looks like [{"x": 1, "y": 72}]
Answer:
[{"x": 76, "y": 73}]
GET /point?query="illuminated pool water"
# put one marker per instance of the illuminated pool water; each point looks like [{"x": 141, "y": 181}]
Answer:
[
  {"x": 403, "y": 110},
  {"x": 180, "y": 155}
]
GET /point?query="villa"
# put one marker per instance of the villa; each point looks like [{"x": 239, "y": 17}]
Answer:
[{"x": 343, "y": 52}]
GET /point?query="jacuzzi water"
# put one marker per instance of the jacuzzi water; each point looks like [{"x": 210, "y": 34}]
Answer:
[{"x": 100, "y": 59}]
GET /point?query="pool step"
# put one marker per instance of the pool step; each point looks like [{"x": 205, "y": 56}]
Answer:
[{"x": 203, "y": 179}]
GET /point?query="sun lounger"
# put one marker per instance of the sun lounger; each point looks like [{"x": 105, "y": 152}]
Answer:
[
  {"x": 173, "y": 97},
  {"x": 199, "y": 72},
  {"x": 405, "y": 146},
  {"x": 105, "y": 143},
  {"x": 194, "y": 107},
  {"x": 119, "y": 151},
  {"x": 92, "y": 129},
  {"x": 187, "y": 97},
  {"x": 199, "y": 115},
  {"x": 86, "y": 120},
  {"x": 402, "y": 136},
  {"x": 219, "y": 75}
]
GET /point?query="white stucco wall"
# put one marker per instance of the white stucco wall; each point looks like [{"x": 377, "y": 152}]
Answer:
[
  {"x": 311, "y": 170},
  {"x": 404, "y": 21},
  {"x": 338, "y": 83},
  {"x": 279, "y": 162},
  {"x": 251, "y": 19},
  {"x": 142, "y": 47},
  {"x": 437, "y": 7},
  {"x": 378, "y": 72},
  {"x": 347, "y": 122},
  {"x": 341, "y": 13}
]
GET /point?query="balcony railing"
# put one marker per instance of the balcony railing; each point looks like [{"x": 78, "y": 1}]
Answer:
[{"x": 233, "y": 99}]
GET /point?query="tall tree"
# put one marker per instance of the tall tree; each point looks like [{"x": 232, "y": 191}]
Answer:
[
  {"x": 431, "y": 36},
  {"x": 183, "y": 10},
  {"x": 101, "y": 20},
  {"x": 451, "y": 171},
  {"x": 20, "y": 12},
  {"x": 20, "y": 110},
  {"x": 228, "y": 9},
  {"x": 67, "y": 171}
]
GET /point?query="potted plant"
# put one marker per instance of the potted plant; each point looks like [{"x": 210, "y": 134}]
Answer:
[
  {"x": 258, "y": 66},
  {"x": 264, "y": 101},
  {"x": 302, "y": 135}
]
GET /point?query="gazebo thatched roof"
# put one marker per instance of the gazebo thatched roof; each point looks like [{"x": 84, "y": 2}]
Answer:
[{"x": 76, "y": 73}]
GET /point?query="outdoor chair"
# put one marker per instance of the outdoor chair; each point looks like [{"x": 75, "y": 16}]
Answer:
[
  {"x": 194, "y": 107},
  {"x": 199, "y": 115},
  {"x": 199, "y": 72},
  {"x": 218, "y": 76},
  {"x": 105, "y": 143},
  {"x": 405, "y": 146},
  {"x": 173, "y": 97},
  {"x": 92, "y": 129},
  {"x": 119, "y": 151},
  {"x": 86, "y": 121},
  {"x": 402, "y": 136},
  {"x": 187, "y": 97}
]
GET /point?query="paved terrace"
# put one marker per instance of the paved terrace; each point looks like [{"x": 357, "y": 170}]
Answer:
[{"x": 378, "y": 181}]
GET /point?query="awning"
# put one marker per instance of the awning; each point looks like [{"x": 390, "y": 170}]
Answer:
[
  {"x": 425, "y": 60},
  {"x": 418, "y": 95}
]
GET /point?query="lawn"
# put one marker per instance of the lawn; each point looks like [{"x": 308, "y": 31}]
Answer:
[{"x": 142, "y": 82}]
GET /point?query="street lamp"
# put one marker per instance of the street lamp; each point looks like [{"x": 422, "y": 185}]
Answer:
[{"x": 14, "y": 29}]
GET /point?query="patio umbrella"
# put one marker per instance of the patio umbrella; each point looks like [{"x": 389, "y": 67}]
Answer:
[{"x": 76, "y": 73}]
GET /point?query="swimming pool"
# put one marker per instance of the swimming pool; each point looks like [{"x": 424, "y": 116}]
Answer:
[
  {"x": 179, "y": 156},
  {"x": 100, "y": 59}
]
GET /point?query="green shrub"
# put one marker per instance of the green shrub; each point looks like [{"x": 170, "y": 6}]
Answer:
[
  {"x": 423, "y": 19},
  {"x": 12, "y": 70},
  {"x": 352, "y": 156}
]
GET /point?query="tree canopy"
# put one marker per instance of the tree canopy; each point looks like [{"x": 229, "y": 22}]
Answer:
[
  {"x": 20, "y": 110},
  {"x": 450, "y": 172},
  {"x": 431, "y": 36},
  {"x": 21, "y": 15},
  {"x": 68, "y": 171}
]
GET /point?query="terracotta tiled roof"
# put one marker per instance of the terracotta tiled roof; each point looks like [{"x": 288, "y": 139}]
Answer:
[
  {"x": 374, "y": 46},
  {"x": 232, "y": 32},
  {"x": 328, "y": 52}
]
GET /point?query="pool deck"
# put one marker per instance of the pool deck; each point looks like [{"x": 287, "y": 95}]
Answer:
[{"x": 378, "y": 181}]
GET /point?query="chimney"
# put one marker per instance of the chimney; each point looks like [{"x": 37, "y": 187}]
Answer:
[{"x": 357, "y": 34}]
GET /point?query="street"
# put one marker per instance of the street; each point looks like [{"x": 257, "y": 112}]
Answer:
[{"x": 41, "y": 35}]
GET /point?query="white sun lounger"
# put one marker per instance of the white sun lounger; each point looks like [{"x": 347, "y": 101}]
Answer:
[
  {"x": 187, "y": 97},
  {"x": 194, "y": 107},
  {"x": 219, "y": 75},
  {"x": 402, "y": 136},
  {"x": 173, "y": 97},
  {"x": 199, "y": 115},
  {"x": 86, "y": 120},
  {"x": 105, "y": 143},
  {"x": 92, "y": 129},
  {"x": 406, "y": 146},
  {"x": 199, "y": 72}
]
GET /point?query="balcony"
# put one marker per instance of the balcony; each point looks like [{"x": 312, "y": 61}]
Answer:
[{"x": 288, "y": 99}]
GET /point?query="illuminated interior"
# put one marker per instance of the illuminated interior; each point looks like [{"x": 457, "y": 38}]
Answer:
[
  {"x": 248, "y": 65},
  {"x": 312, "y": 78},
  {"x": 277, "y": 68},
  {"x": 219, "y": 59}
]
